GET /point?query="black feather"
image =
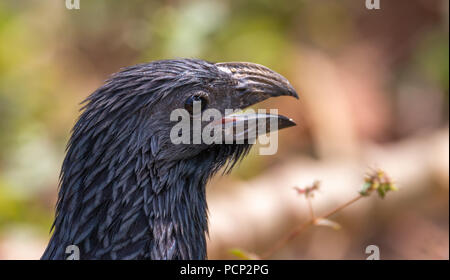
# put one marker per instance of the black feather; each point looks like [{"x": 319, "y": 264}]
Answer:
[{"x": 124, "y": 193}]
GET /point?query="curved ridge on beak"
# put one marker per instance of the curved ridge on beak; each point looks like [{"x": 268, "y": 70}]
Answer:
[{"x": 257, "y": 79}]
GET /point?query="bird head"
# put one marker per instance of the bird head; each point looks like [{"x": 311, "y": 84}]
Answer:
[
  {"x": 125, "y": 184},
  {"x": 138, "y": 102}
]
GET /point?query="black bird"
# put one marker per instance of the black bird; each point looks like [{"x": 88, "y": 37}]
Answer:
[{"x": 126, "y": 191}]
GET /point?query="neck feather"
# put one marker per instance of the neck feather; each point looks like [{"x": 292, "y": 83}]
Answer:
[{"x": 131, "y": 209}]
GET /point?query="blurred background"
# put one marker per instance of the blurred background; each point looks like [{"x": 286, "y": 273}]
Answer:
[{"x": 373, "y": 85}]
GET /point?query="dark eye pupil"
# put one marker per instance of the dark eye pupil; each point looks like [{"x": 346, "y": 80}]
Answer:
[{"x": 189, "y": 104}]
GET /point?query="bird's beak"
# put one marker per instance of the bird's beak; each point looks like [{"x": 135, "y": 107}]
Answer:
[{"x": 253, "y": 84}]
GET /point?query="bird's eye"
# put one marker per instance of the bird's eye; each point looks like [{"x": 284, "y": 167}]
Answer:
[{"x": 189, "y": 103}]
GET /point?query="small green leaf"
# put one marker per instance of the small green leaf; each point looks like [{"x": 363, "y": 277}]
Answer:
[
  {"x": 243, "y": 255},
  {"x": 365, "y": 189}
]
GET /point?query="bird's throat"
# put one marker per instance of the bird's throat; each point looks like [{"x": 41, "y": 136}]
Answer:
[{"x": 178, "y": 215}]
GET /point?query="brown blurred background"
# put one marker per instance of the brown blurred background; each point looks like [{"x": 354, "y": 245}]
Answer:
[{"x": 374, "y": 89}]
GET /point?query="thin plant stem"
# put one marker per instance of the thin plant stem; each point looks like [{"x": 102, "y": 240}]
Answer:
[
  {"x": 299, "y": 229},
  {"x": 311, "y": 211}
]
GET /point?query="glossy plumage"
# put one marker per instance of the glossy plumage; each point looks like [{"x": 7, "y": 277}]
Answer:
[{"x": 127, "y": 192}]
